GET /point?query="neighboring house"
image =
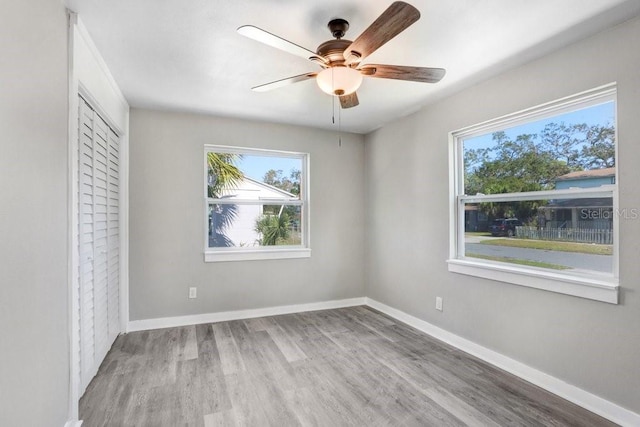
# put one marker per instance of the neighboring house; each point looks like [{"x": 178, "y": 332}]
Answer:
[
  {"x": 587, "y": 213},
  {"x": 243, "y": 231},
  {"x": 475, "y": 219},
  {"x": 586, "y": 179}
]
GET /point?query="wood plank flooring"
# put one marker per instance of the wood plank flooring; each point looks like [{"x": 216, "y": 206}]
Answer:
[{"x": 343, "y": 367}]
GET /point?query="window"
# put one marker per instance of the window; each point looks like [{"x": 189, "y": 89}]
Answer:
[
  {"x": 534, "y": 197},
  {"x": 256, "y": 204}
]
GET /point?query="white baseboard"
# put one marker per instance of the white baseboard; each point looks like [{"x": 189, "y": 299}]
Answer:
[
  {"x": 170, "y": 322},
  {"x": 591, "y": 402},
  {"x": 73, "y": 423}
]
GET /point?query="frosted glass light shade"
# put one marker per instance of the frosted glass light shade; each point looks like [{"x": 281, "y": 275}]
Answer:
[{"x": 339, "y": 80}]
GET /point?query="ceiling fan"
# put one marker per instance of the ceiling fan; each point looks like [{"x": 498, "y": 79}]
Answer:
[{"x": 341, "y": 59}]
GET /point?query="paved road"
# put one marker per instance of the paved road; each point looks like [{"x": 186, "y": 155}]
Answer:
[{"x": 602, "y": 263}]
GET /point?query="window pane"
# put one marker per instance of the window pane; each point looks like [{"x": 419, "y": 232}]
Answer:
[
  {"x": 562, "y": 234},
  {"x": 254, "y": 225},
  {"x": 253, "y": 177},
  {"x": 575, "y": 149}
]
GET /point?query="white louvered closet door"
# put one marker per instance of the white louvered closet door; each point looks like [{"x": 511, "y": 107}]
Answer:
[{"x": 98, "y": 240}]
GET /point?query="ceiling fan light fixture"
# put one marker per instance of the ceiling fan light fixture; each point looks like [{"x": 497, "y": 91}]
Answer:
[{"x": 339, "y": 80}]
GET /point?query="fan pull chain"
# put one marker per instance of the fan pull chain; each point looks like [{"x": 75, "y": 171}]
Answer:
[
  {"x": 333, "y": 119},
  {"x": 333, "y": 110},
  {"x": 333, "y": 101},
  {"x": 339, "y": 127},
  {"x": 333, "y": 113}
]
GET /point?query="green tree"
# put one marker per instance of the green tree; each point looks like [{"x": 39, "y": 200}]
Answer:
[
  {"x": 512, "y": 166},
  {"x": 532, "y": 162},
  {"x": 274, "y": 229},
  {"x": 599, "y": 148},
  {"x": 223, "y": 175},
  {"x": 276, "y": 225},
  {"x": 290, "y": 184},
  {"x": 562, "y": 141}
]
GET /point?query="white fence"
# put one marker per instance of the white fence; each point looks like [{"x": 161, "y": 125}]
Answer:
[
  {"x": 598, "y": 224},
  {"x": 582, "y": 235}
]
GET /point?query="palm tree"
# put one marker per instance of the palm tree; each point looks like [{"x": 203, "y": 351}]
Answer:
[
  {"x": 274, "y": 229},
  {"x": 222, "y": 175}
]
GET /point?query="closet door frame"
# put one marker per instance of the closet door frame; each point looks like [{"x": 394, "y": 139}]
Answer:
[{"x": 90, "y": 77}]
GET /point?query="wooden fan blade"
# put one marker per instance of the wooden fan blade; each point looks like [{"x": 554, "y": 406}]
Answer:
[
  {"x": 272, "y": 40},
  {"x": 348, "y": 101},
  {"x": 400, "y": 72},
  {"x": 397, "y": 18},
  {"x": 284, "y": 82}
]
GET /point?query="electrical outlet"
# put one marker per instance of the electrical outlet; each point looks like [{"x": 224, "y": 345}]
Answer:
[
  {"x": 193, "y": 293},
  {"x": 439, "y": 303}
]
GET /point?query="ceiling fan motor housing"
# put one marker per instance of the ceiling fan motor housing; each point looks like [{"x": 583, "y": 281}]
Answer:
[{"x": 332, "y": 51}]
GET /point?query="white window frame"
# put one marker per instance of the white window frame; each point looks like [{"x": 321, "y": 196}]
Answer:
[
  {"x": 263, "y": 252},
  {"x": 600, "y": 287}
]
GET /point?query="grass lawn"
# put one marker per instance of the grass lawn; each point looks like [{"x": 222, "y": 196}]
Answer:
[
  {"x": 548, "y": 245},
  {"x": 519, "y": 261}
]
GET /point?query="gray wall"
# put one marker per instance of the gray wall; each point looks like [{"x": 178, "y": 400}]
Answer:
[
  {"x": 34, "y": 344},
  {"x": 166, "y": 219},
  {"x": 592, "y": 345}
]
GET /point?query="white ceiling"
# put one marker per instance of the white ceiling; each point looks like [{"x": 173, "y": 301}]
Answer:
[{"x": 186, "y": 55}]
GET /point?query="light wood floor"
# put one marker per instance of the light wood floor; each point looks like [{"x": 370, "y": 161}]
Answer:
[{"x": 344, "y": 367}]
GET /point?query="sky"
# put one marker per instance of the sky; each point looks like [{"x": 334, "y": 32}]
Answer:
[
  {"x": 256, "y": 166},
  {"x": 597, "y": 114}
]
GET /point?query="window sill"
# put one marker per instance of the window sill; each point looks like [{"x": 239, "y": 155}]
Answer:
[
  {"x": 603, "y": 288},
  {"x": 256, "y": 254}
]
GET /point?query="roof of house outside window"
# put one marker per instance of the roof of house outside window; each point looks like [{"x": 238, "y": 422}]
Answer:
[
  {"x": 594, "y": 173},
  {"x": 251, "y": 189}
]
